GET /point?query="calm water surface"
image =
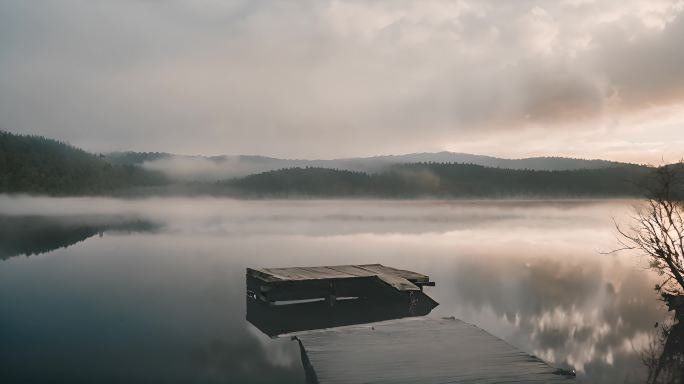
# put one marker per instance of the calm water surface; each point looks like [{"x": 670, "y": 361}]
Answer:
[{"x": 154, "y": 290}]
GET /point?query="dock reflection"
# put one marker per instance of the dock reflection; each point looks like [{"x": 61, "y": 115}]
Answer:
[{"x": 273, "y": 319}]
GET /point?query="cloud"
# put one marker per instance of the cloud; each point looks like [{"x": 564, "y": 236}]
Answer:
[{"x": 335, "y": 78}]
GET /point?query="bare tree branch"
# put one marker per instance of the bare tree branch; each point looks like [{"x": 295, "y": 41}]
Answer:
[{"x": 658, "y": 229}]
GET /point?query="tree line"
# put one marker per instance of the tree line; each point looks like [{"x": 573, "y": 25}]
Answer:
[
  {"x": 443, "y": 180},
  {"x": 36, "y": 164}
]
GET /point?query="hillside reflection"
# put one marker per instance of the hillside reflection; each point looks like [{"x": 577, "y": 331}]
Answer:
[{"x": 33, "y": 235}]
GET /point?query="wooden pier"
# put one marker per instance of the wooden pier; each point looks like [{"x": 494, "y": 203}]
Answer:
[
  {"x": 418, "y": 350},
  {"x": 322, "y": 307}
]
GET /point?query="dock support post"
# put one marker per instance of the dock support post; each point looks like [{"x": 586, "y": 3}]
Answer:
[{"x": 331, "y": 296}]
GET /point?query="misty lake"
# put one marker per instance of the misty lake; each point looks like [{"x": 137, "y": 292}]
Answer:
[{"x": 153, "y": 290}]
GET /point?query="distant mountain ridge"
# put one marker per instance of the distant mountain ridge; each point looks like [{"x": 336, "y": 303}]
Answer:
[
  {"x": 207, "y": 168},
  {"x": 34, "y": 164}
]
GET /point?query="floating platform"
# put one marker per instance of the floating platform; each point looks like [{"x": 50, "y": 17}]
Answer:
[
  {"x": 286, "y": 300},
  {"x": 332, "y": 283},
  {"x": 418, "y": 350}
]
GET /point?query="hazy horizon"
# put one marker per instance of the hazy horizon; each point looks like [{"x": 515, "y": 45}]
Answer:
[
  {"x": 360, "y": 156},
  {"x": 368, "y": 156}
]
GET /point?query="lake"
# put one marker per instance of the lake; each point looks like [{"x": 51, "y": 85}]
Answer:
[{"x": 153, "y": 290}]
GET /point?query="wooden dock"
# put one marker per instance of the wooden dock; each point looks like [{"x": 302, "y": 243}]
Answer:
[
  {"x": 273, "y": 285},
  {"x": 418, "y": 350},
  {"x": 285, "y": 300},
  {"x": 409, "y": 350}
]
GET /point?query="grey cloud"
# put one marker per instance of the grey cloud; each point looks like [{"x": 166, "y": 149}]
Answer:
[
  {"x": 326, "y": 79},
  {"x": 646, "y": 69}
]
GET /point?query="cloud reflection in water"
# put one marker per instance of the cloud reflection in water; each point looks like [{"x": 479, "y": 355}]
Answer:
[{"x": 529, "y": 272}]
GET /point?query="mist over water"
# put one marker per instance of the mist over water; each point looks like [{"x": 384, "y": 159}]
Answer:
[{"x": 169, "y": 304}]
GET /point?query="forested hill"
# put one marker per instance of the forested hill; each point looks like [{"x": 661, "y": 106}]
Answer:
[
  {"x": 135, "y": 158},
  {"x": 443, "y": 180},
  {"x": 33, "y": 164}
]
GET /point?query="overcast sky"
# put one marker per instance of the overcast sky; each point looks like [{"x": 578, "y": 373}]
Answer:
[{"x": 324, "y": 79}]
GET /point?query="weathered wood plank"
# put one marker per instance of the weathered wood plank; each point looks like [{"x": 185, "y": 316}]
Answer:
[
  {"x": 353, "y": 270},
  {"x": 399, "y": 279},
  {"x": 327, "y": 272},
  {"x": 383, "y": 269},
  {"x": 422, "y": 350},
  {"x": 398, "y": 282}
]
